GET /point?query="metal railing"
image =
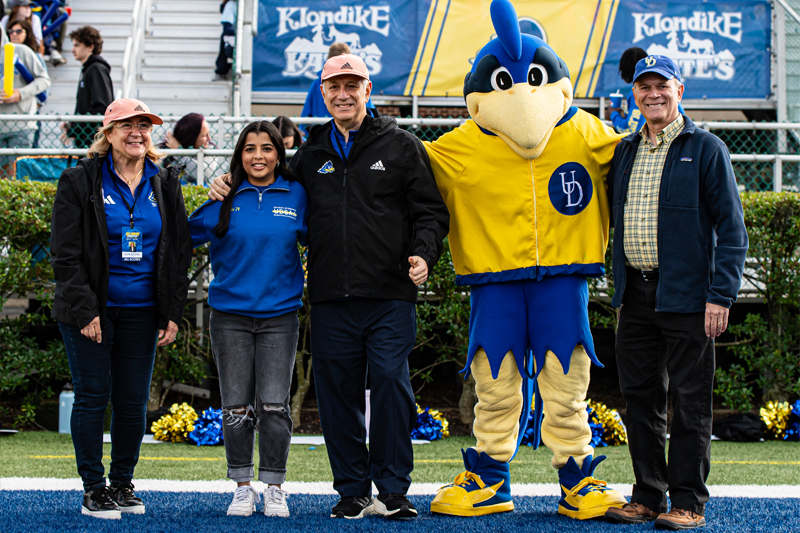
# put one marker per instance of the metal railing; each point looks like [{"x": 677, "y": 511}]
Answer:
[
  {"x": 134, "y": 48},
  {"x": 236, "y": 97},
  {"x": 765, "y": 155}
]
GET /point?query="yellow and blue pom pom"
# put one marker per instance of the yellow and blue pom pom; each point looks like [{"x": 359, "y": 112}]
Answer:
[
  {"x": 431, "y": 425},
  {"x": 606, "y": 425},
  {"x": 175, "y": 426},
  {"x": 782, "y": 420},
  {"x": 208, "y": 428}
]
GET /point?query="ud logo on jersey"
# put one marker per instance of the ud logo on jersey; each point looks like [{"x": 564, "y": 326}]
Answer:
[
  {"x": 152, "y": 198},
  {"x": 570, "y": 189},
  {"x": 327, "y": 168}
]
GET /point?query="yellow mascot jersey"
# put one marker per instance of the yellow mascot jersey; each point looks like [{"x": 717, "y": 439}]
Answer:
[{"x": 514, "y": 218}]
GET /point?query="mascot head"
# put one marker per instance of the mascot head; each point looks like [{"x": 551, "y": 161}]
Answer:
[{"x": 518, "y": 87}]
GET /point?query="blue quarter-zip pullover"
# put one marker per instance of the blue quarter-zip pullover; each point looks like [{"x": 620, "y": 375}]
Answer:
[{"x": 256, "y": 265}]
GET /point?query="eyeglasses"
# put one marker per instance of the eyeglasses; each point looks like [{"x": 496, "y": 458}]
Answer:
[
  {"x": 16, "y": 32},
  {"x": 127, "y": 127}
]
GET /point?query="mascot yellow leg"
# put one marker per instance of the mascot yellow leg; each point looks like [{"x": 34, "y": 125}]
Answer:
[
  {"x": 485, "y": 486},
  {"x": 565, "y": 430}
]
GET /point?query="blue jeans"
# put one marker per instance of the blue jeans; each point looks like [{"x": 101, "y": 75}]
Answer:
[
  {"x": 120, "y": 368},
  {"x": 255, "y": 359}
]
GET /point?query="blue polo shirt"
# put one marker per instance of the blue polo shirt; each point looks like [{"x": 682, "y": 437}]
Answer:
[
  {"x": 131, "y": 283},
  {"x": 256, "y": 265}
]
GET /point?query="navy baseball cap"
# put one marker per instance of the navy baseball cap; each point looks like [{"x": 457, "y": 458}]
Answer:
[{"x": 658, "y": 64}]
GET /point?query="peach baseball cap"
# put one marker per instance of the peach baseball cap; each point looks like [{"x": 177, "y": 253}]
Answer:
[
  {"x": 345, "y": 64},
  {"x": 128, "y": 108}
]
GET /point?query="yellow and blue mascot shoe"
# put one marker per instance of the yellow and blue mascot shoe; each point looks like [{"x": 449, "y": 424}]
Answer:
[
  {"x": 484, "y": 488},
  {"x": 582, "y": 496}
]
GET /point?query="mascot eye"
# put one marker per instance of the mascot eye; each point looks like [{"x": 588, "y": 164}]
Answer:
[
  {"x": 537, "y": 75},
  {"x": 501, "y": 79}
]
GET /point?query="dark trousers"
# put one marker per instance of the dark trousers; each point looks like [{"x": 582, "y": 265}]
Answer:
[
  {"x": 224, "y": 55},
  {"x": 255, "y": 358},
  {"x": 348, "y": 339},
  {"x": 657, "y": 352},
  {"x": 120, "y": 368}
]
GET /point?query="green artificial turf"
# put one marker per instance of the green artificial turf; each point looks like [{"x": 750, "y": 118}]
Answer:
[{"x": 33, "y": 454}]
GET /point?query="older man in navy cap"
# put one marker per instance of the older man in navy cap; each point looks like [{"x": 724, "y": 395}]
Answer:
[{"x": 678, "y": 256}]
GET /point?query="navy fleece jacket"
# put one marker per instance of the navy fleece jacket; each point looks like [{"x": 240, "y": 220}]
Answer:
[
  {"x": 702, "y": 240},
  {"x": 256, "y": 265}
]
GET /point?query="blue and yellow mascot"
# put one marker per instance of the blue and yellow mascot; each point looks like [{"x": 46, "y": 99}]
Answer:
[{"x": 524, "y": 181}]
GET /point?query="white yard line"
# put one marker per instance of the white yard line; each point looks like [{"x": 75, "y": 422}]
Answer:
[{"x": 417, "y": 489}]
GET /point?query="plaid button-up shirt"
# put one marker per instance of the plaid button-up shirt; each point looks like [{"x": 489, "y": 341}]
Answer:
[{"x": 641, "y": 204}]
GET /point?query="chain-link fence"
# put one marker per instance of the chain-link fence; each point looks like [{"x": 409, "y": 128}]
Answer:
[{"x": 766, "y": 156}]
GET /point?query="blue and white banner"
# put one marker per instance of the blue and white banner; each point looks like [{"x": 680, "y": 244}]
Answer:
[
  {"x": 722, "y": 48},
  {"x": 294, "y": 37},
  {"x": 425, "y": 47}
]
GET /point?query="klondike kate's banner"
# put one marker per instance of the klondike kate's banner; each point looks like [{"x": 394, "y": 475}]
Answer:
[{"x": 426, "y": 47}]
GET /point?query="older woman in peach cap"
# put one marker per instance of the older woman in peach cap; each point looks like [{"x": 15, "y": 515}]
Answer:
[{"x": 121, "y": 249}]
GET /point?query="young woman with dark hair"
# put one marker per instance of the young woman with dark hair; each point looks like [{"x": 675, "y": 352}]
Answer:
[{"x": 254, "y": 298}]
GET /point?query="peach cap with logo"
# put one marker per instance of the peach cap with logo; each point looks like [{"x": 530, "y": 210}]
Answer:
[
  {"x": 345, "y": 64},
  {"x": 128, "y": 108}
]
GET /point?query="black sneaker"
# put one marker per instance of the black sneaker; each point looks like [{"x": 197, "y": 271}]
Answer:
[
  {"x": 126, "y": 499},
  {"x": 394, "y": 505},
  {"x": 98, "y": 503},
  {"x": 353, "y": 507}
]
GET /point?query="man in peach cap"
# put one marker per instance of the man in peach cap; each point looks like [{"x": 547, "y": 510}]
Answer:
[{"x": 375, "y": 227}]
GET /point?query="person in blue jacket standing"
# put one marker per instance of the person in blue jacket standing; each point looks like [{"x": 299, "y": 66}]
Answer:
[
  {"x": 254, "y": 298},
  {"x": 679, "y": 250}
]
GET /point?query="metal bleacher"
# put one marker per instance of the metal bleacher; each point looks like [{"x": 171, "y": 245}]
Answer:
[{"x": 113, "y": 20}]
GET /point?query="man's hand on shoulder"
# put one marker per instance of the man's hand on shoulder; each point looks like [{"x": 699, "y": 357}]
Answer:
[
  {"x": 716, "y": 319},
  {"x": 418, "y": 271},
  {"x": 220, "y": 187}
]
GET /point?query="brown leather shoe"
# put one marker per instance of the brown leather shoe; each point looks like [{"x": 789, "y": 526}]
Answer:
[
  {"x": 630, "y": 513},
  {"x": 679, "y": 519}
]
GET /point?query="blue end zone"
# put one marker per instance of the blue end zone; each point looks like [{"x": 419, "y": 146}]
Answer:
[{"x": 59, "y": 511}]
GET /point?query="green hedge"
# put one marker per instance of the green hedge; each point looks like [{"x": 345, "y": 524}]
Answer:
[{"x": 767, "y": 347}]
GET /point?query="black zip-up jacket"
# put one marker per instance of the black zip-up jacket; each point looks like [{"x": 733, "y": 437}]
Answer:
[
  {"x": 368, "y": 215},
  {"x": 95, "y": 93},
  {"x": 79, "y": 246}
]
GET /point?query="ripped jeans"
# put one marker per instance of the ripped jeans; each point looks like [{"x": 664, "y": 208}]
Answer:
[{"x": 255, "y": 359}]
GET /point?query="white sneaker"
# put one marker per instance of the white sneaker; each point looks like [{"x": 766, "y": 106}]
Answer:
[
  {"x": 275, "y": 502},
  {"x": 244, "y": 501}
]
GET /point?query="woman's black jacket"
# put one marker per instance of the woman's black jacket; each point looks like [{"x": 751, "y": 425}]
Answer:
[{"x": 79, "y": 246}]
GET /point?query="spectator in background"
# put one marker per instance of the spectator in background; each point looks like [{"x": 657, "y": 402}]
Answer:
[
  {"x": 226, "y": 41},
  {"x": 95, "y": 89},
  {"x": 315, "y": 103},
  {"x": 22, "y": 101},
  {"x": 289, "y": 131},
  {"x": 20, "y": 32},
  {"x": 191, "y": 131},
  {"x": 55, "y": 46},
  {"x": 21, "y": 10},
  {"x": 632, "y": 120}
]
